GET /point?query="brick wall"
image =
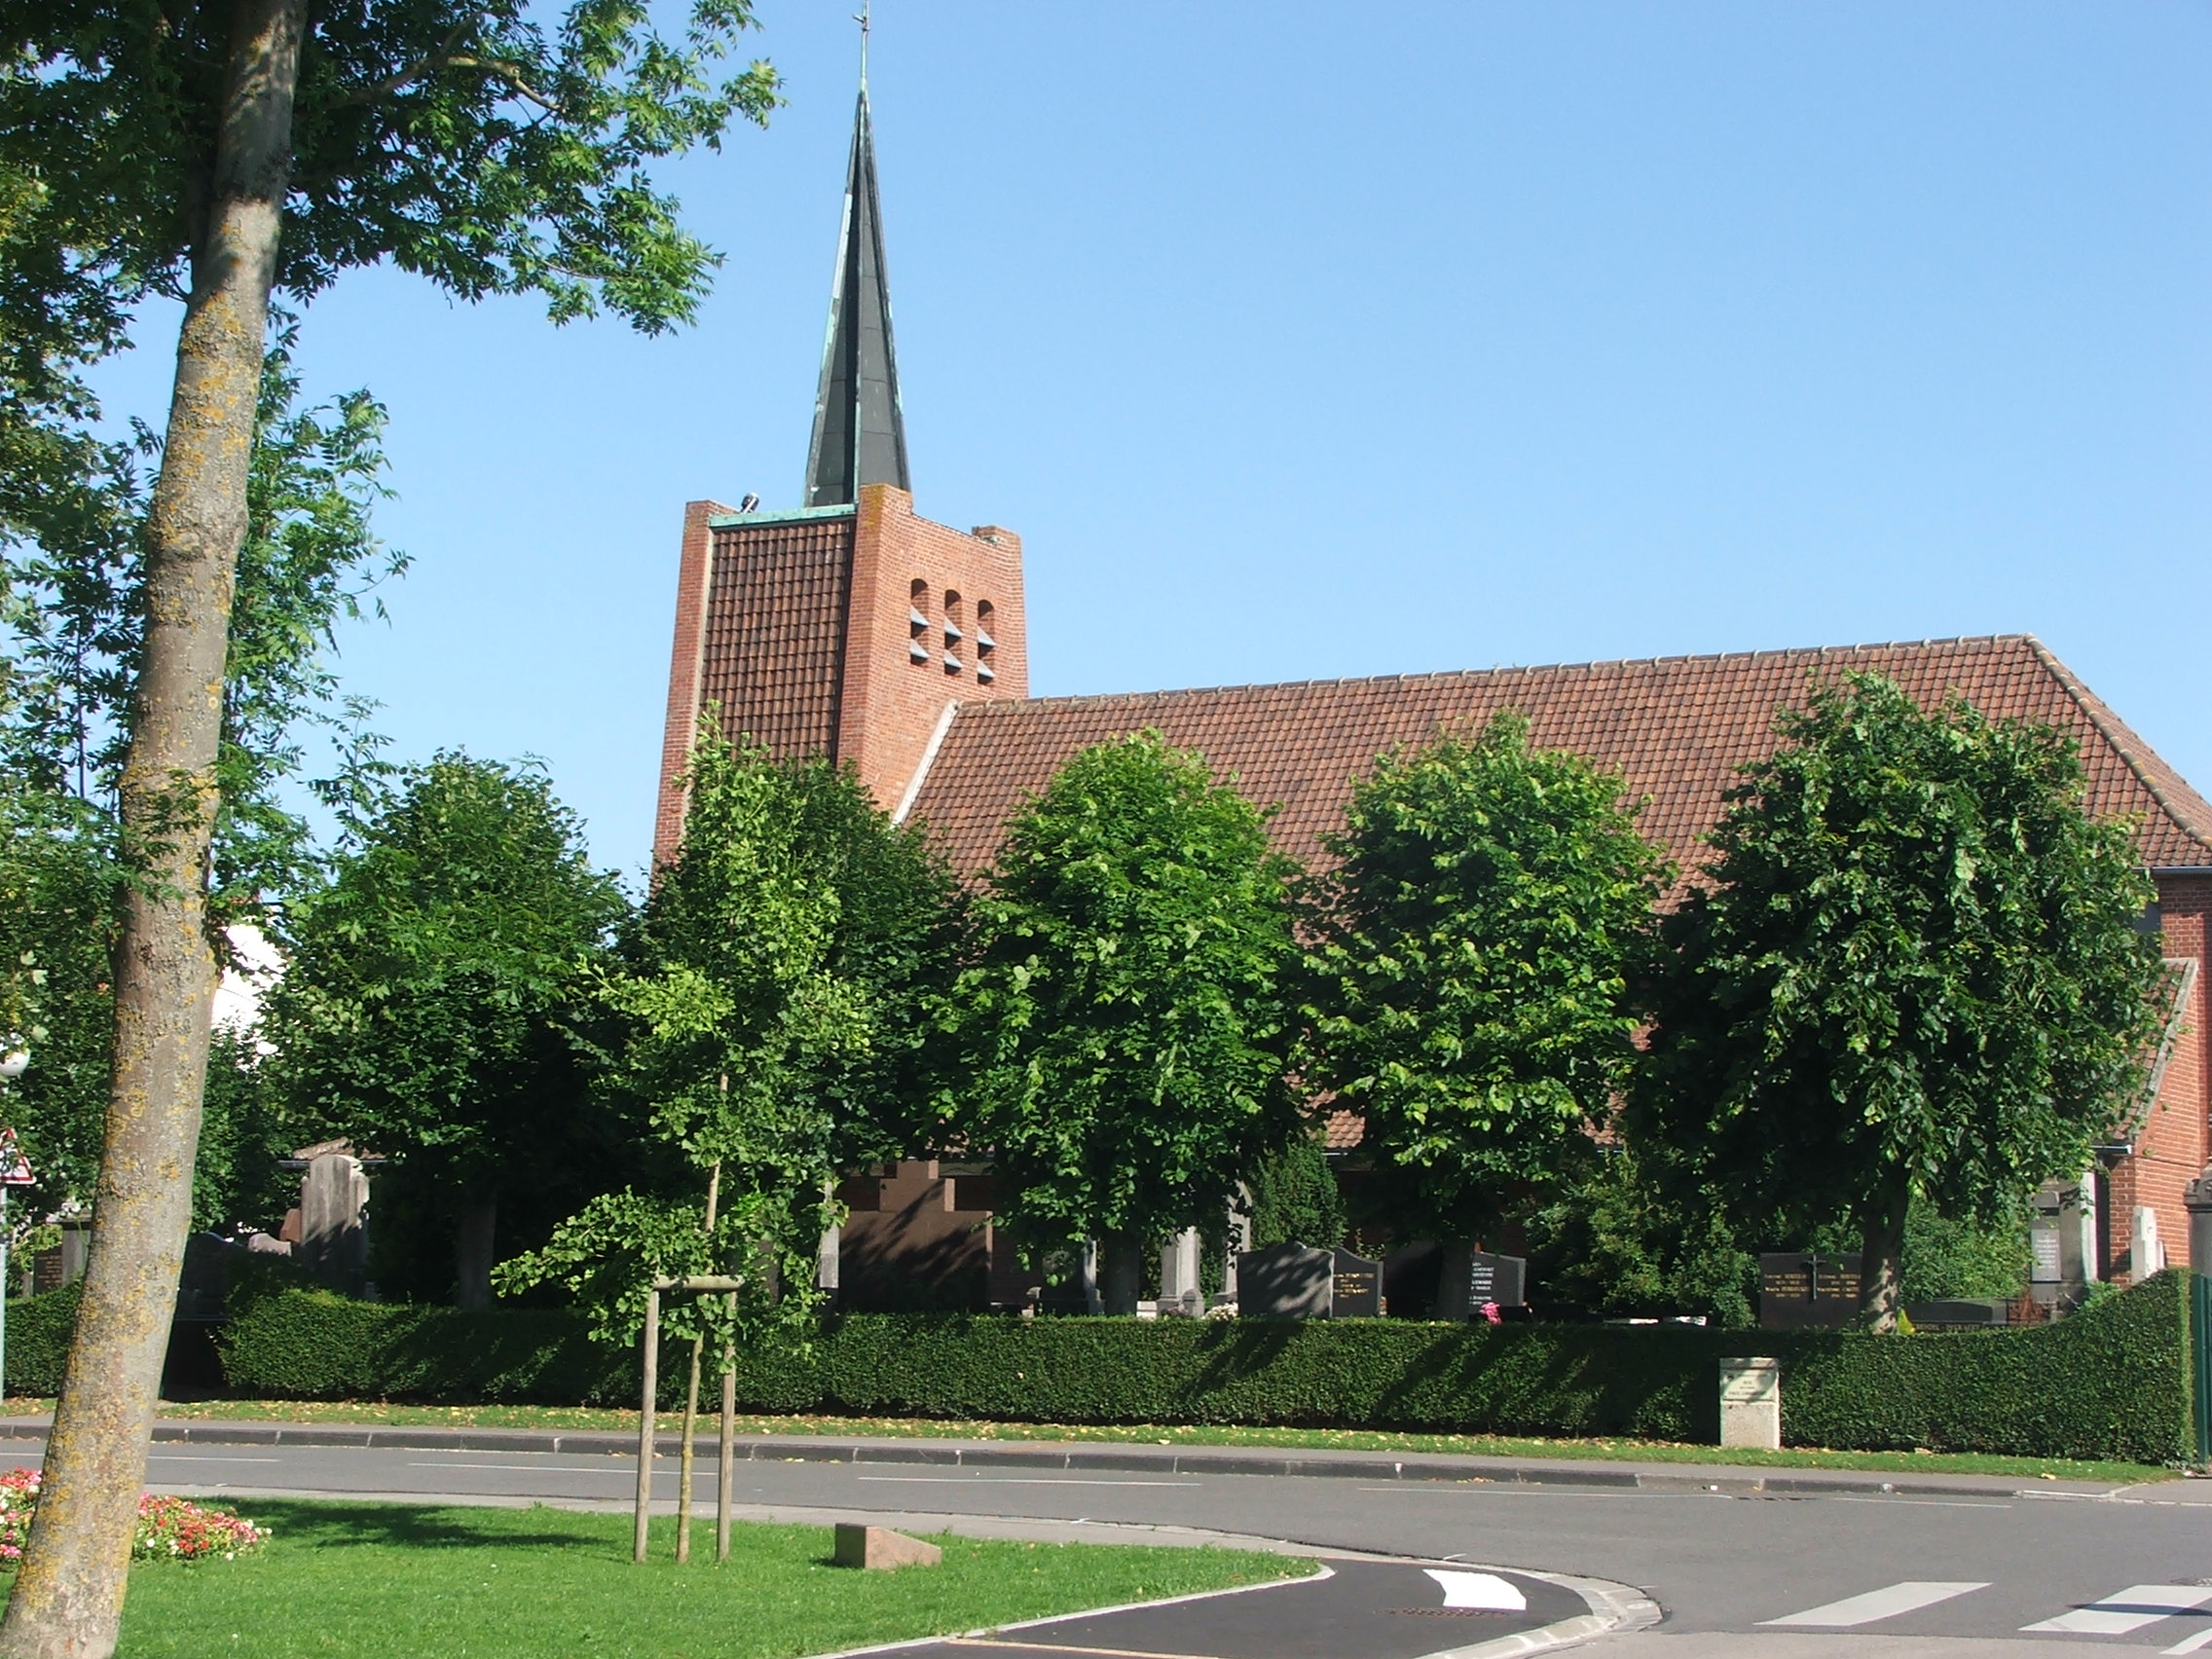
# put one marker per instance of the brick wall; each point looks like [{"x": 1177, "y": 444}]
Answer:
[
  {"x": 2175, "y": 1140},
  {"x": 694, "y": 572},
  {"x": 893, "y": 700}
]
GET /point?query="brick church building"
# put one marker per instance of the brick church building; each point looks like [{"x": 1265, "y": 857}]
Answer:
[{"x": 854, "y": 627}]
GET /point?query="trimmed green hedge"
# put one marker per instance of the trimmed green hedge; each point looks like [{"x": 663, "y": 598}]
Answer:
[
  {"x": 310, "y": 1344},
  {"x": 2110, "y": 1383},
  {"x": 38, "y": 1340}
]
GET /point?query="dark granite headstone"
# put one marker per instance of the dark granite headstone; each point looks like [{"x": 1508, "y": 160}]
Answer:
[
  {"x": 2047, "y": 1256},
  {"x": 1284, "y": 1281},
  {"x": 1499, "y": 1279},
  {"x": 1800, "y": 1290},
  {"x": 1357, "y": 1290}
]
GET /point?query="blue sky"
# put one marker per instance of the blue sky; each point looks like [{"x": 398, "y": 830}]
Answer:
[{"x": 1305, "y": 339}]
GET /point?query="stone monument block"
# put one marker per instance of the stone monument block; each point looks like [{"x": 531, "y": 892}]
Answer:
[
  {"x": 334, "y": 1243},
  {"x": 1285, "y": 1281},
  {"x": 1489, "y": 1279},
  {"x": 879, "y": 1549},
  {"x": 1750, "y": 1403},
  {"x": 1179, "y": 1260},
  {"x": 1356, "y": 1287},
  {"x": 1801, "y": 1290}
]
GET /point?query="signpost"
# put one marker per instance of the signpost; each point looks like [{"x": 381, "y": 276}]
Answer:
[{"x": 15, "y": 1171}]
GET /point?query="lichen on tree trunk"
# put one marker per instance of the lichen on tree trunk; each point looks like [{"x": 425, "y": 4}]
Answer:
[
  {"x": 67, "y": 1601},
  {"x": 1881, "y": 1252}
]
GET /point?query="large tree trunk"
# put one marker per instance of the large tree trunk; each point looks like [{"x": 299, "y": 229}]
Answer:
[
  {"x": 69, "y": 1597},
  {"x": 1881, "y": 1253},
  {"x": 476, "y": 1248},
  {"x": 1122, "y": 1275}
]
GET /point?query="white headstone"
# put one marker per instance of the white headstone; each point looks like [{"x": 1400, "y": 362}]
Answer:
[
  {"x": 2147, "y": 1255},
  {"x": 1179, "y": 1266},
  {"x": 1750, "y": 1403}
]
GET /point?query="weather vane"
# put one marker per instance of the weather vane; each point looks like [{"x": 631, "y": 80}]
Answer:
[{"x": 861, "y": 18}]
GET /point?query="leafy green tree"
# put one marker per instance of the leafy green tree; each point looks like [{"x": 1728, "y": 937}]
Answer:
[
  {"x": 221, "y": 154},
  {"x": 1914, "y": 969},
  {"x": 423, "y": 1008},
  {"x": 69, "y": 636},
  {"x": 1295, "y": 1198},
  {"x": 1945, "y": 1258},
  {"x": 1621, "y": 1243},
  {"x": 1123, "y": 1027},
  {"x": 770, "y": 1018},
  {"x": 1469, "y": 979}
]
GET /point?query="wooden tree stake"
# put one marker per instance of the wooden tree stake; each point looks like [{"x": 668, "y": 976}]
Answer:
[{"x": 645, "y": 1420}]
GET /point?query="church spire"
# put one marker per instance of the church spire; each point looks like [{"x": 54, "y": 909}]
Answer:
[{"x": 860, "y": 434}]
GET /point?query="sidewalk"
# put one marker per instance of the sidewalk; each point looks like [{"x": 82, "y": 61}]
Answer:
[{"x": 1181, "y": 1460}]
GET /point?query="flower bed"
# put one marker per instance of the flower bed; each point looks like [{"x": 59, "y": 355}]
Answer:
[{"x": 169, "y": 1529}]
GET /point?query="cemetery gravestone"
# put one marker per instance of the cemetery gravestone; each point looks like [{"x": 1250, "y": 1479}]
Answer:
[
  {"x": 1356, "y": 1287},
  {"x": 1491, "y": 1280},
  {"x": 2045, "y": 1256},
  {"x": 1285, "y": 1281},
  {"x": 1800, "y": 1290},
  {"x": 1750, "y": 1403},
  {"x": 335, "y": 1240}
]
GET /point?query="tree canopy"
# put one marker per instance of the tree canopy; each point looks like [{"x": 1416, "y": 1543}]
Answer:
[
  {"x": 769, "y": 1022},
  {"x": 423, "y": 1008},
  {"x": 1124, "y": 1026},
  {"x": 1469, "y": 979},
  {"x": 1914, "y": 968}
]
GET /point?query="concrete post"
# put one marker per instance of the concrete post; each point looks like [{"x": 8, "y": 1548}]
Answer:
[
  {"x": 1750, "y": 1403},
  {"x": 2196, "y": 1197}
]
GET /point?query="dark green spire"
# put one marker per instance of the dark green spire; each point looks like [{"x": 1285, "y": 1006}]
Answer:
[{"x": 860, "y": 434}]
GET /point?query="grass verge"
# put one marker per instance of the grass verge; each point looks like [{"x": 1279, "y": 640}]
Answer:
[
  {"x": 376, "y": 1413},
  {"x": 393, "y": 1581}
]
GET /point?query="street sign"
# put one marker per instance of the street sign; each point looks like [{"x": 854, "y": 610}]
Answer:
[{"x": 14, "y": 1167}]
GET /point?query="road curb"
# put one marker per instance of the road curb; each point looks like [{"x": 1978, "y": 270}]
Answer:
[{"x": 1728, "y": 1480}]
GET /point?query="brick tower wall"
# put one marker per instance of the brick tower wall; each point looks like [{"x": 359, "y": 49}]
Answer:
[
  {"x": 760, "y": 634},
  {"x": 962, "y": 584},
  {"x": 800, "y": 627}
]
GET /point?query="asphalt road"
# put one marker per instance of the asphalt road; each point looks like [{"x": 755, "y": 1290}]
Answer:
[{"x": 1979, "y": 1575}]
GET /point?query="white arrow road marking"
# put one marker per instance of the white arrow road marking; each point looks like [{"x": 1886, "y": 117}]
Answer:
[
  {"x": 2132, "y": 1608},
  {"x": 1485, "y": 1591},
  {"x": 1884, "y": 1604}
]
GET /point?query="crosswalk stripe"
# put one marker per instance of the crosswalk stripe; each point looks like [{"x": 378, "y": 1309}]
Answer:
[
  {"x": 1483, "y": 1591},
  {"x": 1884, "y": 1604},
  {"x": 2192, "y": 1643},
  {"x": 2132, "y": 1608}
]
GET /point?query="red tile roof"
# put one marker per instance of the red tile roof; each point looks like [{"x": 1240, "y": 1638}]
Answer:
[{"x": 1675, "y": 727}]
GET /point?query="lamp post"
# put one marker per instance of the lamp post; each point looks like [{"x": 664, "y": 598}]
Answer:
[{"x": 12, "y": 1064}]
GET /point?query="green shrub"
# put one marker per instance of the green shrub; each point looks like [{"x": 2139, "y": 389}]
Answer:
[
  {"x": 2110, "y": 1383},
  {"x": 310, "y": 1344},
  {"x": 38, "y": 1340}
]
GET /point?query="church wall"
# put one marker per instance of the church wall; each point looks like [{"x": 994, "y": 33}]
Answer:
[
  {"x": 2174, "y": 1142},
  {"x": 760, "y": 632},
  {"x": 692, "y": 576},
  {"x": 895, "y": 702}
]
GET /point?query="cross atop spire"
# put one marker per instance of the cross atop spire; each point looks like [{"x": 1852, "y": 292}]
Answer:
[{"x": 859, "y": 433}]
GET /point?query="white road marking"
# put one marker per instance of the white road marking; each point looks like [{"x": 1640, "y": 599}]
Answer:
[
  {"x": 2132, "y": 1608},
  {"x": 188, "y": 1457},
  {"x": 2192, "y": 1643},
  {"x": 1887, "y": 1603},
  {"x": 1016, "y": 1480},
  {"x": 630, "y": 1473},
  {"x": 1484, "y": 1591}
]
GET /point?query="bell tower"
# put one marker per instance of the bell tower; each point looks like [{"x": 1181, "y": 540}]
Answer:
[{"x": 849, "y": 626}]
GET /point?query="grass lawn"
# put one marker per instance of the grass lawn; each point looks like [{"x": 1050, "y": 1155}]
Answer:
[
  {"x": 396, "y": 1581},
  {"x": 368, "y": 1413}
]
